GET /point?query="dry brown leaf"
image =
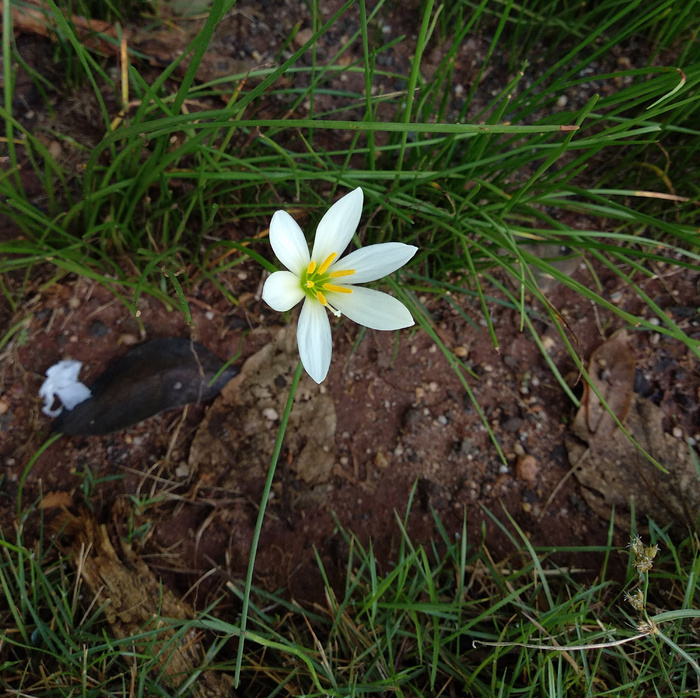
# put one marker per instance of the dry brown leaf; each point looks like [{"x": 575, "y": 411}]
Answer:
[
  {"x": 54, "y": 500},
  {"x": 160, "y": 47},
  {"x": 134, "y": 600},
  {"x": 611, "y": 370},
  {"x": 610, "y": 468}
]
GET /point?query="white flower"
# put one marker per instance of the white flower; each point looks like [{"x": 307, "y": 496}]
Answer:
[
  {"x": 62, "y": 383},
  {"x": 324, "y": 281}
]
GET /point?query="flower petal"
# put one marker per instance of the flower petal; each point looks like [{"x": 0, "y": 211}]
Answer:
[
  {"x": 314, "y": 340},
  {"x": 62, "y": 383},
  {"x": 373, "y": 309},
  {"x": 282, "y": 291},
  {"x": 374, "y": 261},
  {"x": 289, "y": 243},
  {"x": 337, "y": 227}
]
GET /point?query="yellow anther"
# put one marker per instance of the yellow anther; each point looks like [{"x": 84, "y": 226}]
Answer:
[
  {"x": 341, "y": 272},
  {"x": 321, "y": 298},
  {"x": 311, "y": 268},
  {"x": 309, "y": 284},
  {"x": 337, "y": 289},
  {"x": 327, "y": 263}
]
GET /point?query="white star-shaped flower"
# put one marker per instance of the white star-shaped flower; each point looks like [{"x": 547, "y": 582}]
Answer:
[
  {"x": 322, "y": 280},
  {"x": 62, "y": 383}
]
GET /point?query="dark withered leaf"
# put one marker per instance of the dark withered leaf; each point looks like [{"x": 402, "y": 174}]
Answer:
[{"x": 151, "y": 378}]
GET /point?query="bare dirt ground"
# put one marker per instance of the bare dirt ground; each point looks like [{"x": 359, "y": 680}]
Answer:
[{"x": 396, "y": 418}]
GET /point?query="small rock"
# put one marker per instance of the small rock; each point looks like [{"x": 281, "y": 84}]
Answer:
[
  {"x": 412, "y": 417},
  {"x": 98, "y": 329},
  {"x": 467, "y": 446},
  {"x": 55, "y": 150},
  {"x": 182, "y": 471},
  {"x": 512, "y": 425},
  {"x": 380, "y": 460},
  {"x": 526, "y": 468},
  {"x": 270, "y": 414},
  {"x": 128, "y": 340},
  {"x": 302, "y": 36}
]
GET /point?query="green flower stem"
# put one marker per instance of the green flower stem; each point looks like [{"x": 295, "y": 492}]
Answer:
[{"x": 261, "y": 517}]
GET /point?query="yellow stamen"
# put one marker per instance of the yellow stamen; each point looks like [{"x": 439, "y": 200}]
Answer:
[
  {"x": 309, "y": 284},
  {"x": 341, "y": 272},
  {"x": 321, "y": 298},
  {"x": 327, "y": 263},
  {"x": 337, "y": 289},
  {"x": 311, "y": 268}
]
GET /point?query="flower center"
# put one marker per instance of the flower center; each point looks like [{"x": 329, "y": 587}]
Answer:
[{"x": 317, "y": 279}]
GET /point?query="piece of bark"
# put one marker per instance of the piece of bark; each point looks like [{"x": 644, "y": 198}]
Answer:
[
  {"x": 235, "y": 441},
  {"x": 134, "y": 601}
]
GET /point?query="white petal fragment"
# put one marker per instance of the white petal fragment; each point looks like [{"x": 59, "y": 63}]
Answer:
[
  {"x": 314, "y": 340},
  {"x": 375, "y": 261},
  {"x": 337, "y": 227},
  {"x": 282, "y": 291},
  {"x": 62, "y": 383},
  {"x": 373, "y": 309},
  {"x": 289, "y": 243}
]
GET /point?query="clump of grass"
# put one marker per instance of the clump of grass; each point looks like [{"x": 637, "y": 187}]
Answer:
[
  {"x": 445, "y": 618},
  {"x": 162, "y": 181}
]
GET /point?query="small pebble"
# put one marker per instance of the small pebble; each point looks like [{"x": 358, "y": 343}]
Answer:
[
  {"x": 182, "y": 471},
  {"x": 270, "y": 414},
  {"x": 526, "y": 468},
  {"x": 547, "y": 342},
  {"x": 98, "y": 329},
  {"x": 678, "y": 432},
  {"x": 380, "y": 460},
  {"x": 512, "y": 425},
  {"x": 302, "y": 36}
]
